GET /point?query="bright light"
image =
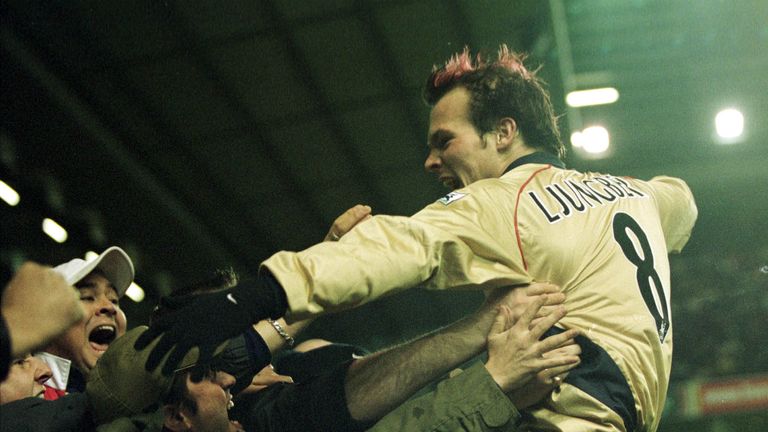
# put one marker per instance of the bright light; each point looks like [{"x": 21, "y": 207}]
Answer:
[
  {"x": 54, "y": 230},
  {"x": 8, "y": 194},
  {"x": 595, "y": 139},
  {"x": 577, "y": 139},
  {"x": 91, "y": 255},
  {"x": 729, "y": 123},
  {"x": 598, "y": 96},
  {"x": 135, "y": 292}
]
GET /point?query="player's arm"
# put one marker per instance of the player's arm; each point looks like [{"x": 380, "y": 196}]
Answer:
[
  {"x": 677, "y": 210},
  {"x": 382, "y": 255},
  {"x": 278, "y": 333},
  {"x": 238, "y": 307},
  {"x": 441, "y": 247}
]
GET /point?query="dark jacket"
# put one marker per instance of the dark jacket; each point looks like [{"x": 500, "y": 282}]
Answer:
[
  {"x": 5, "y": 349},
  {"x": 68, "y": 413},
  {"x": 317, "y": 404}
]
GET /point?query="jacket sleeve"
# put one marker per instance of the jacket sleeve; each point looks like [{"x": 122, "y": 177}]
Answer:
[
  {"x": 468, "y": 402},
  {"x": 317, "y": 404},
  {"x": 68, "y": 413},
  {"x": 441, "y": 247}
]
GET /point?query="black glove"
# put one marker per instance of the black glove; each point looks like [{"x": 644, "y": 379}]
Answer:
[{"x": 208, "y": 321}]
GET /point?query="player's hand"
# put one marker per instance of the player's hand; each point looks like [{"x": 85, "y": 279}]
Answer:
[
  {"x": 515, "y": 354},
  {"x": 206, "y": 322},
  {"x": 38, "y": 305},
  {"x": 347, "y": 220}
]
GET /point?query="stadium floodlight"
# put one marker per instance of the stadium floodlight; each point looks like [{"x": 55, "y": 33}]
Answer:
[
  {"x": 577, "y": 139},
  {"x": 91, "y": 255},
  {"x": 54, "y": 230},
  {"x": 596, "y": 139},
  {"x": 729, "y": 124},
  {"x": 8, "y": 194},
  {"x": 593, "y": 140},
  {"x": 598, "y": 96}
]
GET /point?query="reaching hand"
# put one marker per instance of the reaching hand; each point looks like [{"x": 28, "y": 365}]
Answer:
[
  {"x": 546, "y": 380},
  {"x": 265, "y": 378},
  {"x": 205, "y": 322},
  {"x": 38, "y": 305},
  {"x": 347, "y": 220},
  {"x": 515, "y": 354},
  {"x": 518, "y": 298}
]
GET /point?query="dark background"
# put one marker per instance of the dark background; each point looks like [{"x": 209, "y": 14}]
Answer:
[{"x": 202, "y": 134}]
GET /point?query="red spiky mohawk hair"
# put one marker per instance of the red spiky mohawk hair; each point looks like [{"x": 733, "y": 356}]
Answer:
[
  {"x": 462, "y": 63},
  {"x": 512, "y": 61},
  {"x": 455, "y": 67}
]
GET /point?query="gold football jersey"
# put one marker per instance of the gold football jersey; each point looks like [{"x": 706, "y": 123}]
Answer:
[{"x": 603, "y": 239}]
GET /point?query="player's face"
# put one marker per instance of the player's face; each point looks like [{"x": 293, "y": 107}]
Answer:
[
  {"x": 25, "y": 379},
  {"x": 103, "y": 322},
  {"x": 458, "y": 155}
]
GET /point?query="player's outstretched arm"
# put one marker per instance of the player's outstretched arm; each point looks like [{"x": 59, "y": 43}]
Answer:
[{"x": 210, "y": 319}]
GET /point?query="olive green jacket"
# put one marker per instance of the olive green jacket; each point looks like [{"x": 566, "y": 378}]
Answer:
[{"x": 468, "y": 402}]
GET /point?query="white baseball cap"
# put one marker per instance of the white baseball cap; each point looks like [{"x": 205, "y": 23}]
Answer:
[{"x": 113, "y": 262}]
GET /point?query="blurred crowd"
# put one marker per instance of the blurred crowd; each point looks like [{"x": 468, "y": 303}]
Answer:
[{"x": 719, "y": 296}]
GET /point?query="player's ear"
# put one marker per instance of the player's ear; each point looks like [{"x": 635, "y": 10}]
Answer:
[{"x": 506, "y": 132}]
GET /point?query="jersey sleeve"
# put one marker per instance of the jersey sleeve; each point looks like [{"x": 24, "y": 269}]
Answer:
[
  {"x": 438, "y": 248},
  {"x": 677, "y": 210}
]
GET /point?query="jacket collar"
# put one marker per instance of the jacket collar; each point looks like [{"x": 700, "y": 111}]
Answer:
[
  {"x": 64, "y": 376},
  {"x": 60, "y": 368},
  {"x": 536, "y": 158}
]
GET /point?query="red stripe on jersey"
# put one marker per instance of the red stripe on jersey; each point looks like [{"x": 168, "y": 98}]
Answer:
[{"x": 517, "y": 201}]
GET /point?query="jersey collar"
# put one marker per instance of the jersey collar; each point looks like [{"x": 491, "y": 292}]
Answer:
[{"x": 536, "y": 158}]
